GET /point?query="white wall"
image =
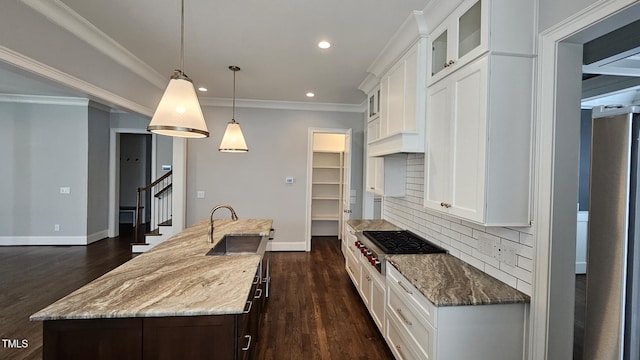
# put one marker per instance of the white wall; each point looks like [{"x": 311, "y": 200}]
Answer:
[{"x": 254, "y": 182}]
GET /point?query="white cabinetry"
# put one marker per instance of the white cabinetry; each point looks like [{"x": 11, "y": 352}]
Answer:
[
  {"x": 386, "y": 176},
  {"x": 416, "y": 329},
  {"x": 351, "y": 254},
  {"x": 402, "y": 105},
  {"x": 326, "y": 193},
  {"x": 372, "y": 290},
  {"x": 479, "y": 114},
  {"x": 478, "y": 26},
  {"x": 369, "y": 282},
  {"x": 479, "y": 130}
]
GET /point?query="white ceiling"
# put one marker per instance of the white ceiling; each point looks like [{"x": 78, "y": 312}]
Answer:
[{"x": 274, "y": 42}]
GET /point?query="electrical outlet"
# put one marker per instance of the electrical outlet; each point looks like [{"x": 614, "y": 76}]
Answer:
[
  {"x": 65, "y": 190},
  {"x": 200, "y": 195},
  {"x": 56, "y": 227}
]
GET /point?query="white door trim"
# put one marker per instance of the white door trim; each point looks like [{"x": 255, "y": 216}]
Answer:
[
  {"x": 114, "y": 169},
  {"x": 311, "y": 131},
  {"x": 546, "y": 150}
]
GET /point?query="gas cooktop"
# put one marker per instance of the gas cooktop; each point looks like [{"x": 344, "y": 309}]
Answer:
[{"x": 402, "y": 242}]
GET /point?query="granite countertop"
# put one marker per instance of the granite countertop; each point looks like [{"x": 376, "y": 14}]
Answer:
[
  {"x": 372, "y": 225},
  {"x": 175, "y": 278},
  {"x": 448, "y": 281}
]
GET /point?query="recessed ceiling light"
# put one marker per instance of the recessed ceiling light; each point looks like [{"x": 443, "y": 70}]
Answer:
[
  {"x": 310, "y": 94},
  {"x": 324, "y": 44},
  {"x": 203, "y": 89}
]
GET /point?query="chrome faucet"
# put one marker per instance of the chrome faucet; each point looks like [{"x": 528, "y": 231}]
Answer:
[{"x": 234, "y": 217}]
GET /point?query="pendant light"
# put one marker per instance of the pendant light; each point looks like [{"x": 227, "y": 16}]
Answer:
[
  {"x": 233, "y": 140},
  {"x": 179, "y": 113}
]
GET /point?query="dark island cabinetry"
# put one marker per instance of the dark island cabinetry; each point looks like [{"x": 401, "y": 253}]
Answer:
[{"x": 220, "y": 337}]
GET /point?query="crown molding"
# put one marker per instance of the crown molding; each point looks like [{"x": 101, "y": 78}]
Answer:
[
  {"x": 48, "y": 72},
  {"x": 369, "y": 83},
  {"x": 282, "y": 105},
  {"x": 413, "y": 28},
  {"x": 48, "y": 100},
  {"x": 62, "y": 15}
]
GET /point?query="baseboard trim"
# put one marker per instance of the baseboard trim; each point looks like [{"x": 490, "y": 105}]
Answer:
[
  {"x": 42, "y": 240},
  {"x": 91, "y": 238},
  {"x": 286, "y": 246}
]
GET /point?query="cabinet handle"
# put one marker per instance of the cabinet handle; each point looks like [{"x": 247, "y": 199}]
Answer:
[
  {"x": 404, "y": 288},
  {"x": 368, "y": 278},
  {"x": 449, "y": 63},
  {"x": 444, "y": 204},
  {"x": 249, "y": 309},
  {"x": 248, "y": 343},
  {"x": 372, "y": 188},
  {"x": 258, "y": 294},
  {"x": 256, "y": 279},
  {"x": 400, "y": 351},
  {"x": 350, "y": 269},
  {"x": 403, "y": 318}
]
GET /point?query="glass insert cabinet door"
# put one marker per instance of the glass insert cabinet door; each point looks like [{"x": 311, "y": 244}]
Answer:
[{"x": 456, "y": 37}]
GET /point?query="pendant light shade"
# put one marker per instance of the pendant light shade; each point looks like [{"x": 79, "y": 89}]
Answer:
[
  {"x": 233, "y": 140},
  {"x": 179, "y": 113}
]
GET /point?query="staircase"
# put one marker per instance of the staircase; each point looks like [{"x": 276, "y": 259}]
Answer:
[{"x": 160, "y": 228}]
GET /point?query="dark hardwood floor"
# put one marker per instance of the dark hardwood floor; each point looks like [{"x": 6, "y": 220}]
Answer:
[
  {"x": 32, "y": 277},
  {"x": 314, "y": 311},
  {"x": 579, "y": 316}
]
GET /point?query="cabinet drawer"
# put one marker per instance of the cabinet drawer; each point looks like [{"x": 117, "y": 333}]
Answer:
[
  {"x": 409, "y": 319},
  {"x": 402, "y": 344},
  {"x": 407, "y": 293}
]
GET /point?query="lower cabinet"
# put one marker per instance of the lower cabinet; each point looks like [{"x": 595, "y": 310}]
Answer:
[
  {"x": 367, "y": 280},
  {"x": 372, "y": 289},
  {"x": 416, "y": 329},
  {"x": 223, "y": 337}
]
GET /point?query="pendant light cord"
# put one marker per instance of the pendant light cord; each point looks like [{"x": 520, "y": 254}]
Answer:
[{"x": 233, "y": 117}]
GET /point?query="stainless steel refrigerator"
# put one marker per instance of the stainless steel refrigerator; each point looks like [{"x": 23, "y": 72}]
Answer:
[{"x": 612, "y": 327}]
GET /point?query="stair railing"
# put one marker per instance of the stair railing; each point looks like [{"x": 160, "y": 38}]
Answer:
[{"x": 161, "y": 203}]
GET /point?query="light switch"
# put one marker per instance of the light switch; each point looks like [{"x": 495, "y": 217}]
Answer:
[
  {"x": 200, "y": 195},
  {"x": 65, "y": 190},
  {"x": 288, "y": 180}
]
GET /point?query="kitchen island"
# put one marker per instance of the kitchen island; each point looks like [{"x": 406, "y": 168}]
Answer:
[{"x": 173, "y": 300}]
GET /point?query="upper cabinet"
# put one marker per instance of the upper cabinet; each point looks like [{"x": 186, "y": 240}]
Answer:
[
  {"x": 479, "y": 120},
  {"x": 402, "y": 105},
  {"x": 478, "y": 26}
]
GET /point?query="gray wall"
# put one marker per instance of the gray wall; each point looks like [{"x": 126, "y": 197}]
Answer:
[
  {"x": 552, "y": 12},
  {"x": 254, "y": 182},
  {"x": 98, "y": 170},
  {"x": 44, "y": 147},
  {"x": 164, "y": 153}
]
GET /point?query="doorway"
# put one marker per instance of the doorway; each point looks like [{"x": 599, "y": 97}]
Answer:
[
  {"x": 558, "y": 146},
  {"x": 135, "y": 172},
  {"x": 131, "y": 151},
  {"x": 328, "y": 183}
]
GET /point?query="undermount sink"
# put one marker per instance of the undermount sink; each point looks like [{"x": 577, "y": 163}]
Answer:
[{"x": 240, "y": 244}]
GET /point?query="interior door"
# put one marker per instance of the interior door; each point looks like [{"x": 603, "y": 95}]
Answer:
[{"x": 346, "y": 182}]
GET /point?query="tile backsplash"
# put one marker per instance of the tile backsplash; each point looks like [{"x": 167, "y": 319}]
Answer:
[{"x": 458, "y": 236}]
